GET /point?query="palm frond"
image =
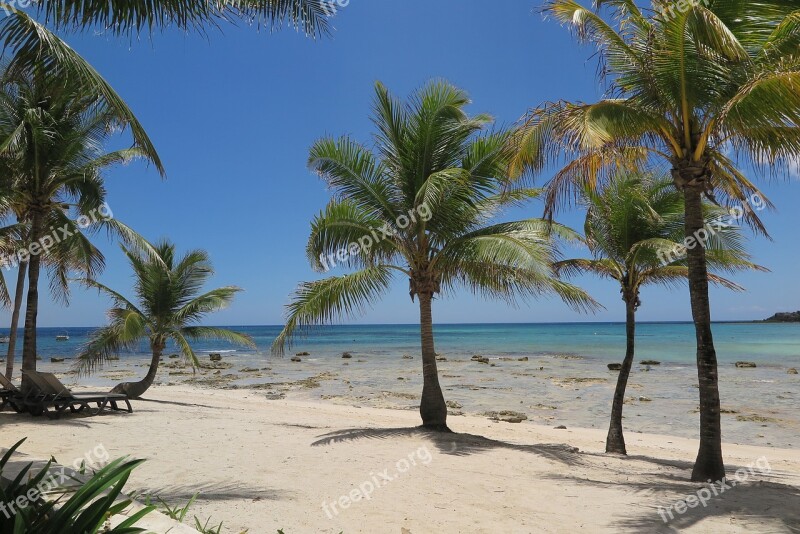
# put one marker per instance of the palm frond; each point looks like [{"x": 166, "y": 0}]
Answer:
[
  {"x": 130, "y": 17},
  {"x": 202, "y": 305},
  {"x": 197, "y": 333},
  {"x": 32, "y": 46},
  {"x": 126, "y": 329},
  {"x": 329, "y": 299}
]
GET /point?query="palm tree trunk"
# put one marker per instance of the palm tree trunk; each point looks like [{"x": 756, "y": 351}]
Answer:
[
  {"x": 709, "y": 464},
  {"x": 134, "y": 390},
  {"x": 432, "y": 407},
  {"x": 615, "y": 442},
  {"x": 12, "y": 336},
  {"x": 32, "y": 304}
]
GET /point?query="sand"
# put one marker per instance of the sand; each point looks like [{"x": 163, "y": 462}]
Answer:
[{"x": 264, "y": 465}]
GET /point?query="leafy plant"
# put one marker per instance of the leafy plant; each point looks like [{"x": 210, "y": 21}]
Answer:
[
  {"x": 205, "y": 529},
  {"x": 87, "y": 510},
  {"x": 176, "y": 513}
]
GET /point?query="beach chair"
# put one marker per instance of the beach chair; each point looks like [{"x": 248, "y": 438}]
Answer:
[
  {"x": 58, "y": 397},
  {"x": 10, "y": 395}
]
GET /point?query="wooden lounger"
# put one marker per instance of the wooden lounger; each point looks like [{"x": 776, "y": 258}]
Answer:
[
  {"x": 59, "y": 398},
  {"x": 10, "y": 395}
]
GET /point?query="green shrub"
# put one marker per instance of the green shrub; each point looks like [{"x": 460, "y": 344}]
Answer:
[{"x": 87, "y": 510}]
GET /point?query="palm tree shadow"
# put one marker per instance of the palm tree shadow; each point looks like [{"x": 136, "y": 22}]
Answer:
[
  {"x": 452, "y": 443},
  {"x": 178, "y": 403},
  {"x": 212, "y": 491},
  {"x": 755, "y": 505}
]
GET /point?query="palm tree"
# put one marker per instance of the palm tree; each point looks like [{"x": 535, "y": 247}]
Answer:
[
  {"x": 418, "y": 206},
  {"x": 704, "y": 86},
  {"x": 11, "y": 243},
  {"x": 52, "y": 137},
  {"x": 69, "y": 256},
  {"x": 169, "y": 303},
  {"x": 632, "y": 226}
]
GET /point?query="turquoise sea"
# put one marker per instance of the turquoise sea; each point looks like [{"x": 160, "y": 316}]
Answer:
[{"x": 765, "y": 343}]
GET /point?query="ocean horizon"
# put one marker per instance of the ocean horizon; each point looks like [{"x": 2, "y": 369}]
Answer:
[{"x": 763, "y": 343}]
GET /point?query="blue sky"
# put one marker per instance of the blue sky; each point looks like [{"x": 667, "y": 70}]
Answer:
[{"x": 234, "y": 113}]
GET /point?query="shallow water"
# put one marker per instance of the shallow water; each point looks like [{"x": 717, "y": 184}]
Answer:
[{"x": 766, "y": 343}]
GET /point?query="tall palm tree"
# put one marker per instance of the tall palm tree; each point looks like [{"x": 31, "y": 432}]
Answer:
[
  {"x": 706, "y": 87},
  {"x": 11, "y": 243},
  {"x": 52, "y": 137},
  {"x": 634, "y": 229},
  {"x": 168, "y": 305},
  {"x": 70, "y": 256},
  {"x": 418, "y": 206},
  {"x": 16, "y": 303}
]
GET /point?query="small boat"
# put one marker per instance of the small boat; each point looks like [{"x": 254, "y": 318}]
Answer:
[
  {"x": 62, "y": 337},
  {"x": 5, "y": 339}
]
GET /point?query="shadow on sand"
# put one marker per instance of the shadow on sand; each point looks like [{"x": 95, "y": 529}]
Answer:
[
  {"x": 212, "y": 491},
  {"x": 451, "y": 442},
  {"x": 755, "y": 506}
]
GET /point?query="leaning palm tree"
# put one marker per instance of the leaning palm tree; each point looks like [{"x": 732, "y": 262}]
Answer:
[
  {"x": 708, "y": 87},
  {"x": 634, "y": 229},
  {"x": 168, "y": 305},
  {"x": 52, "y": 135},
  {"x": 419, "y": 206}
]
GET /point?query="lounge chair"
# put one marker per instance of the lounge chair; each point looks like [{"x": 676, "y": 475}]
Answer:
[
  {"x": 10, "y": 395},
  {"x": 58, "y": 397}
]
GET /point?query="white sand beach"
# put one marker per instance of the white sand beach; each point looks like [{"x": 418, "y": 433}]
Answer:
[{"x": 262, "y": 465}]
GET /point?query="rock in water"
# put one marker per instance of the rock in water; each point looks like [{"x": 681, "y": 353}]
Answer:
[
  {"x": 346, "y": 355},
  {"x": 507, "y": 416},
  {"x": 56, "y": 360},
  {"x": 304, "y": 354},
  {"x": 650, "y": 362},
  {"x": 792, "y": 371},
  {"x": 746, "y": 365},
  {"x": 215, "y": 357},
  {"x": 523, "y": 359},
  {"x": 614, "y": 366},
  {"x": 296, "y": 359}
]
